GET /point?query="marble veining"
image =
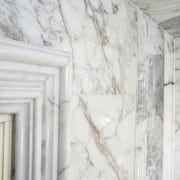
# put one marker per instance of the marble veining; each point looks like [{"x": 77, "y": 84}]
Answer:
[
  {"x": 177, "y": 112},
  {"x": 165, "y": 12},
  {"x": 100, "y": 137},
  {"x": 97, "y": 32},
  {"x": 169, "y": 108},
  {"x": 24, "y": 92},
  {"x": 107, "y": 48},
  {"x": 169, "y": 83},
  {"x": 117, "y": 71},
  {"x": 149, "y": 122}
]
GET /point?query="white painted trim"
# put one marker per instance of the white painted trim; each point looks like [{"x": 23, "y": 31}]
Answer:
[
  {"x": 140, "y": 164},
  {"x": 5, "y": 118}
]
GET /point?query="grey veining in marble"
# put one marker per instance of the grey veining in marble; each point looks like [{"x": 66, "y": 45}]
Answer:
[
  {"x": 117, "y": 55},
  {"x": 150, "y": 98},
  {"x": 169, "y": 108},
  {"x": 100, "y": 135},
  {"x": 155, "y": 119},
  {"x": 177, "y": 112},
  {"x": 164, "y": 12}
]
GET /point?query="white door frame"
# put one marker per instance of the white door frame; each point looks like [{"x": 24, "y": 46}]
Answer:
[{"x": 40, "y": 77}]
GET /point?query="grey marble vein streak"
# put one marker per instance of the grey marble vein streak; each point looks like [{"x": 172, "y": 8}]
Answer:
[{"x": 169, "y": 83}]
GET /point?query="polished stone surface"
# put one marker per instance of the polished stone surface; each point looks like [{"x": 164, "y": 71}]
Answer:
[
  {"x": 117, "y": 53},
  {"x": 177, "y": 112},
  {"x": 165, "y": 12},
  {"x": 31, "y": 92},
  {"x": 169, "y": 109},
  {"x": 150, "y": 98}
]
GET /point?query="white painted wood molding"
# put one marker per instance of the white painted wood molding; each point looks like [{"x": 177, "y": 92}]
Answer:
[{"x": 37, "y": 78}]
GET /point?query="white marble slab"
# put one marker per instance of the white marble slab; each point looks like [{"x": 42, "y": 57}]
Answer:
[
  {"x": 177, "y": 114},
  {"x": 103, "y": 138},
  {"x": 169, "y": 109},
  {"x": 149, "y": 118},
  {"x": 114, "y": 51},
  {"x": 6, "y": 146}
]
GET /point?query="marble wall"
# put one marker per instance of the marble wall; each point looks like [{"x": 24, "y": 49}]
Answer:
[
  {"x": 169, "y": 108},
  {"x": 177, "y": 110},
  {"x": 117, "y": 92},
  {"x": 150, "y": 97}
]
